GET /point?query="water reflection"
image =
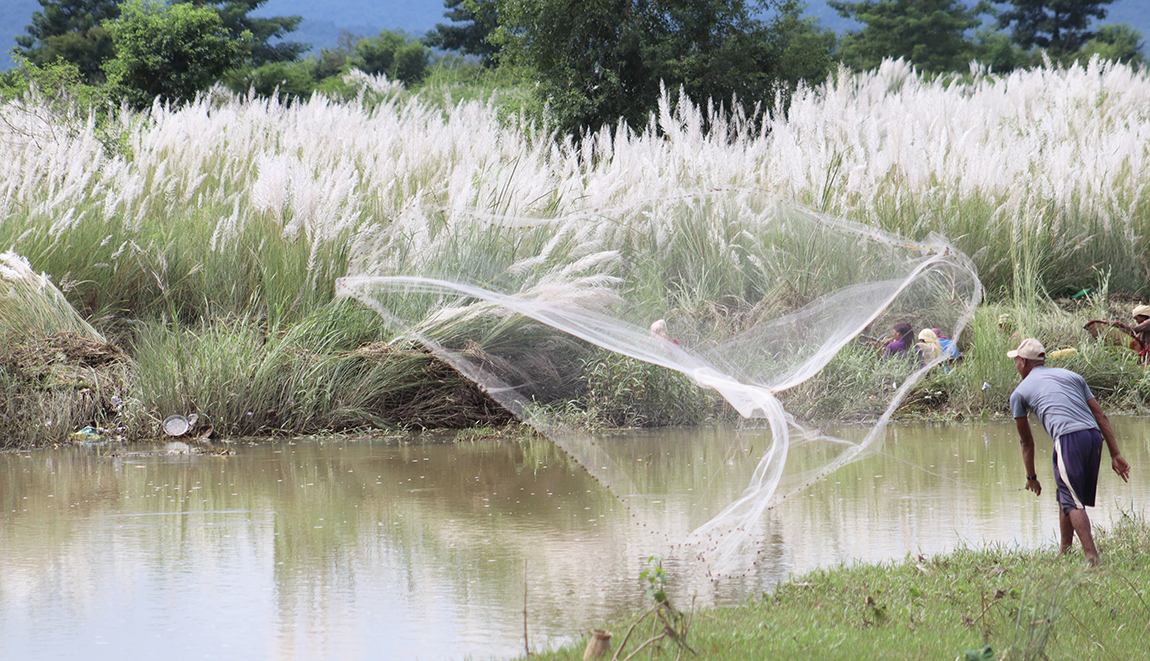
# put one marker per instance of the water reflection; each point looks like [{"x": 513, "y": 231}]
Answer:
[{"x": 369, "y": 549}]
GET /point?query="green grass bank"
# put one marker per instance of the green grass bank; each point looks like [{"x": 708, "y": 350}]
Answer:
[{"x": 972, "y": 604}]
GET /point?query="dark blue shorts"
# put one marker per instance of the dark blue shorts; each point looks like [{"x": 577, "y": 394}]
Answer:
[{"x": 1076, "y": 459}]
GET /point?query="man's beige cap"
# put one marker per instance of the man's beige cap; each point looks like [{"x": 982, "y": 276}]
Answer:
[
  {"x": 1141, "y": 311},
  {"x": 1030, "y": 349}
]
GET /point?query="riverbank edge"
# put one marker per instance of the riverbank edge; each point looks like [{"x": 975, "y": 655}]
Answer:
[
  {"x": 986, "y": 604},
  {"x": 91, "y": 429},
  {"x": 66, "y": 388}
]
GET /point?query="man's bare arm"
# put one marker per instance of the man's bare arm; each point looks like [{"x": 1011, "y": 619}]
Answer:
[
  {"x": 1117, "y": 461},
  {"x": 1026, "y": 439}
]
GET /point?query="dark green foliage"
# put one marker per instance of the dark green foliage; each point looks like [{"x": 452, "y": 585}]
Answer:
[
  {"x": 260, "y": 31},
  {"x": 1116, "y": 42},
  {"x": 997, "y": 51},
  {"x": 600, "y": 61},
  {"x": 60, "y": 84},
  {"x": 283, "y": 80},
  {"x": 333, "y": 61},
  {"x": 472, "y": 22},
  {"x": 392, "y": 54},
  {"x": 330, "y": 62},
  {"x": 1059, "y": 26},
  {"x": 168, "y": 52},
  {"x": 73, "y": 30},
  {"x": 928, "y": 33},
  {"x": 63, "y": 16},
  {"x": 70, "y": 30}
]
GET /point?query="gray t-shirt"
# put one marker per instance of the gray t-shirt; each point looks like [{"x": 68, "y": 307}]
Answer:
[{"x": 1059, "y": 398}]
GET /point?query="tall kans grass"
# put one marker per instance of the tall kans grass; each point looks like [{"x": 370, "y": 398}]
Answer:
[
  {"x": 231, "y": 200},
  {"x": 241, "y": 208}
]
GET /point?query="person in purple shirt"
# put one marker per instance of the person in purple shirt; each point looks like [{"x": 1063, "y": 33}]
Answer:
[
  {"x": 1076, "y": 423},
  {"x": 902, "y": 342}
]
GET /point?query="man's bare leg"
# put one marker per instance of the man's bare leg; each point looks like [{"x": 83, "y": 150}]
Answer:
[
  {"x": 1067, "y": 529},
  {"x": 1080, "y": 522}
]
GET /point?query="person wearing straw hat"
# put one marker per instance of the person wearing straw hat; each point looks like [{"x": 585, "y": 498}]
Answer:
[
  {"x": 1141, "y": 330},
  {"x": 1072, "y": 416}
]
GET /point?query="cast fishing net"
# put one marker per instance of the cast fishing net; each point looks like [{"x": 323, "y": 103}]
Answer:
[{"x": 746, "y": 296}]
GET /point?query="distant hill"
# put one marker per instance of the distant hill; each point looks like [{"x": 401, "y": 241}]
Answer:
[{"x": 325, "y": 21}]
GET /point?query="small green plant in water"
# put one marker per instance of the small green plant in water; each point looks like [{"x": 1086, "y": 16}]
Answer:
[{"x": 655, "y": 579}]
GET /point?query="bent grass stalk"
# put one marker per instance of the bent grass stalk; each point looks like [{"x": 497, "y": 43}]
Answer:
[{"x": 31, "y": 306}]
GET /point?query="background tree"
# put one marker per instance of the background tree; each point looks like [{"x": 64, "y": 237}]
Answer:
[
  {"x": 1117, "y": 42},
  {"x": 333, "y": 61},
  {"x": 237, "y": 19},
  {"x": 931, "y": 34},
  {"x": 392, "y": 54},
  {"x": 171, "y": 52},
  {"x": 1059, "y": 26},
  {"x": 70, "y": 30},
  {"x": 63, "y": 93},
  {"x": 598, "y": 61},
  {"x": 282, "y": 80},
  {"x": 995, "y": 49},
  {"x": 472, "y": 22}
]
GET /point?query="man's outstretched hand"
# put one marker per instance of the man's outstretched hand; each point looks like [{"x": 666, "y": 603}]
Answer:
[
  {"x": 1120, "y": 466},
  {"x": 1035, "y": 486}
]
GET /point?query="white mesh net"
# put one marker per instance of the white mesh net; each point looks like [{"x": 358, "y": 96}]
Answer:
[{"x": 741, "y": 293}]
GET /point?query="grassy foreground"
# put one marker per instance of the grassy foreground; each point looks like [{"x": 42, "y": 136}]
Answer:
[{"x": 970, "y": 604}]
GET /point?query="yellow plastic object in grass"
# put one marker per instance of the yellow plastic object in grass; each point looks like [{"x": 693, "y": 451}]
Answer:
[{"x": 1062, "y": 353}]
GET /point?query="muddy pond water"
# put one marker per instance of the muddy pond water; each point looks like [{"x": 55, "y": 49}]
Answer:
[{"x": 396, "y": 548}]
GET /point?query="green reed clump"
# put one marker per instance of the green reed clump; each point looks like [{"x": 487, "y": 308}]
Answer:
[
  {"x": 57, "y": 373},
  {"x": 856, "y": 384},
  {"x": 330, "y": 372},
  {"x": 624, "y": 392},
  {"x": 1023, "y": 604}
]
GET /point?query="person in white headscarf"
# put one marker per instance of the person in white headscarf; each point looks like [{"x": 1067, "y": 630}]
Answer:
[{"x": 928, "y": 346}]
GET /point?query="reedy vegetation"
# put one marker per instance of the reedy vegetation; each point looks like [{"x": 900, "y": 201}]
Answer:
[{"x": 241, "y": 212}]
